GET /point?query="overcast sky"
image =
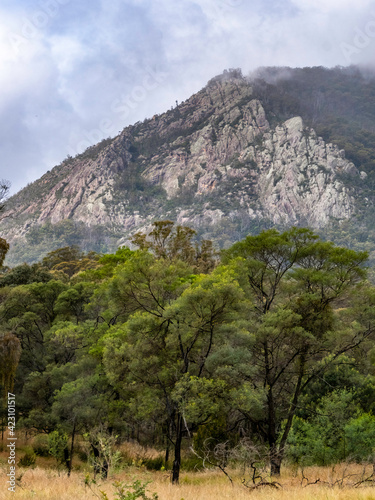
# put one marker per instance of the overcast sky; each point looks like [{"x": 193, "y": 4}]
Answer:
[{"x": 73, "y": 72}]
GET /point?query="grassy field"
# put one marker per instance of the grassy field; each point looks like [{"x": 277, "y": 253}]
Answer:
[
  {"x": 44, "y": 482},
  {"x": 47, "y": 484}
]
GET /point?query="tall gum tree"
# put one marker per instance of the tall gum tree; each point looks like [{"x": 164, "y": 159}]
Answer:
[
  {"x": 295, "y": 282},
  {"x": 163, "y": 356},
  {"x": 171, "y": 242}
]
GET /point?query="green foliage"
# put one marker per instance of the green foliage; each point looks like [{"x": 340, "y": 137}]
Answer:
[
  {"x": 70, "y": 260},
  {"x": 41, "y": 445},
  {"x": 360, "y": 436},
  {"x": 102, "y": 454},
  {"x": 323, "y": 439},
  {"x": 192, "y": 464},
  {"x": 134, "y": 491},
  {"x": 294, "y": 281},
  {"x": 171, "y": 242},
  {"x": 274, "y": 347},
  {"x": 153, "y": 463},
  {"x": 125, "y": 491},
  {"x": 121, "y": 255},
  {"x": 28, "y": 460},
  {"x": 48, "y": 237},
  {"x": 58, "y": 445},
  {"x": 198, "y": 398},
  {"x": 71, "y": 303},
  {"x": 4, "y": 247},
  {"x": 211, "y": 433},
  {"x": 162, "y": 352},
  {"x": 333, "y": 434},
  {"x": 25, "y": 274},
  {"x": 10, "y": 352}
]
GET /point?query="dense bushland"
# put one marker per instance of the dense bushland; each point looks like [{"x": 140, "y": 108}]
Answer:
[{"x": 264, "y": 354}]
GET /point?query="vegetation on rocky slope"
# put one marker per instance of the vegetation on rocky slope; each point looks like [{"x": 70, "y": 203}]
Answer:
[{"x": 231, "y": 157}]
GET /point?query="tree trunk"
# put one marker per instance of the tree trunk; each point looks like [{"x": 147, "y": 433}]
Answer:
[
  {"x": 71, "y": 450},
  {"x": 101, "y": 465},
  {"x": 96, "y": 460},
  {"x": 66, "y": 457},
  {"x": 168, "y": 443},
  {"x": 105, "y": 468},
  {"x": 278, "y": 454},
  {"x": 166, "y": 453},
  {"x": 275, "y": 460},
  {"x": 275, "y": 457},
  {"x": 177, "y": 452}
]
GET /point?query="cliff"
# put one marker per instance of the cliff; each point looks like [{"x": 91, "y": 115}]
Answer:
[{"x": 214, "y": 162}]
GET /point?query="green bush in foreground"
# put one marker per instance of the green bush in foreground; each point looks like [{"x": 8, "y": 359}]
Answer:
[{"x": 124, "y": 491}]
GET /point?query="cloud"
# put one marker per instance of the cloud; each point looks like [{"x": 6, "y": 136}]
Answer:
[
  {"x": 72, "y": 73},
  {"x": 332, "y": 6}
]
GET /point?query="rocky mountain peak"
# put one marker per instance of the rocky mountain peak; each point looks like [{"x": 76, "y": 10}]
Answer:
[{"x": 212, "y": 160}]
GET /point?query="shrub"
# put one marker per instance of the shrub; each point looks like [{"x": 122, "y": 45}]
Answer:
[
  {"x": 28, "y": 460},
  {"x": 191, "y": 463},
  {"x": 360, "y": 436},
  {"x": 153, "y": 463},
  {"x": 40, "y": 445},
  {"x": 134, "y": 491},
  {"x": 58, "y": 446},
  {"x": 123, "y": 491}
]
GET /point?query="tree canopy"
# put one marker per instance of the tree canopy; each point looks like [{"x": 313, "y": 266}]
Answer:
[{"x": 170, "y": 345}]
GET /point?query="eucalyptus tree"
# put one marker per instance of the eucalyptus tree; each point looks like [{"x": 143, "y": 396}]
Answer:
[
  {"x": 162, "y": 355},
  {"x": 170, "y": 242},
  {"x": 296, "y": 283}
]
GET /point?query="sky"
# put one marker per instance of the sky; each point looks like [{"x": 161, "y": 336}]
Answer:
[{"x": 73, "y": 72}]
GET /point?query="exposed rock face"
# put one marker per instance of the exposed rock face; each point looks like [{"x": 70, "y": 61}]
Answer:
[
  {"x": 298, "y": 177},
  {"x": 213, "y": 157}
]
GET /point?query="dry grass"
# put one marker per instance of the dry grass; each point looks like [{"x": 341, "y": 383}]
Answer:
[{"x": 47, "y": 484}]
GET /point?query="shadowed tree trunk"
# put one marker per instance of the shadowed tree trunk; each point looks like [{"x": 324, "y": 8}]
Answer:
[
  {"x": 70, "y": 462},
  {"x": 177, "y": 452}
]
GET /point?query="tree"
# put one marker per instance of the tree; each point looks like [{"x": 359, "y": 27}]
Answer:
[
  {"x": 70, "y": 260},
  {"x": 171, "y": 242},
  {"x": 295, "y": 282},
  {"x": 164, "y": 357},
  {"x": 72, "y": 302},
  {"x": 4, "y": 247},
  {"x": 25, "y": 274},
  {"x": 80, "y": 406},
  {"x": 10, "y": 352},
  {"x": 27, "y": 311},
  {"x": 4, "y": 190},
  {"x": 322, "y": 438},
  {"x": 144, "y": 283},
  {"x": 360, "y": 436}
]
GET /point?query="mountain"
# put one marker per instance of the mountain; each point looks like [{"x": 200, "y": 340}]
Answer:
[{"x": 281, "y": 147}]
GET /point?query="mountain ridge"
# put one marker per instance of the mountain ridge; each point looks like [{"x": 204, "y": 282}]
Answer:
[{"x": 216, "y": 160}]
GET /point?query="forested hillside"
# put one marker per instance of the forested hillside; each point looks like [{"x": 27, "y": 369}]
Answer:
[
  {"x": 339, "y": 104},
  {"x": 265, "y": 351}
]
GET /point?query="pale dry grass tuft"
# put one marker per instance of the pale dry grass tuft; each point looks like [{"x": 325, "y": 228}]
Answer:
[
  {"x": 44, "y": 484},
  {"x": 137, "y": 451}
]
